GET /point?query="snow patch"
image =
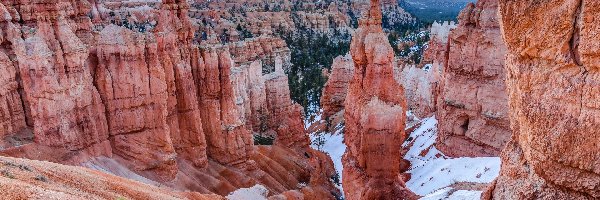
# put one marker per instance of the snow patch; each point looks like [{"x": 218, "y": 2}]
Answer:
[
  {"x": 449, "y": 193},
  {"x": 257, "y": 192},
  {"x": 432, "y": 172}
]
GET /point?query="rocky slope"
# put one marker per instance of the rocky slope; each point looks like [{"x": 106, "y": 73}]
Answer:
[
  {"x": 27, "y": 179},
  {"x": 552, "y": 81},
  {"x": 149, "y": 104},
  {"x": 471, "y": 105},
  {"x": 375, "y": 118}
]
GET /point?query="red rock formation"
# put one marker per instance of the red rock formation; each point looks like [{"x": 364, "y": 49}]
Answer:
[
  {"x": 250, "y": 95},
  {"x": 472, "y": 108},
  {"x": 285, "y": 117},
  {"x": 262, "y": 17},
  {"x": 61, "y": 103},
  {"x": 419, "y": 87},
  {"x": 147, "y": 104},
  {"x": 12, "y": 113},
  {"x": 133, "y": 86},
  {"x": 336, "y": 88},
  {"x": 553, "y": 86},
  {"x": 422, "y": 84},
  {"x": 174, "y": 34},
  {"x": 320, "y": 186},
  {"x": 258, "y": 96},
  {"x": 229, "y": 142},
  {"x": 375, "y": 117}
]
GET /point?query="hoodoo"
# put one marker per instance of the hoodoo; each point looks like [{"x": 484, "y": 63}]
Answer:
[
  {"x": 375, "y": 117},
  {"x": 553, "y": 83}
]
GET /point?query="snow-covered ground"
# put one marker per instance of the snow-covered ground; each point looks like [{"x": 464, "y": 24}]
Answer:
[
  {"x": 433, "y": 175},
  {"x": 330, "y": 143}
]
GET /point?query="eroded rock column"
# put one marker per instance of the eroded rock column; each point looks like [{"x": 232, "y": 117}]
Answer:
[
  {"x": 61, "y": 103},
  {"x": 131, "y": 81},
  {"x": 472, "y": 103},
  {"x": 375, "y": 117},
  {"x": 285, "y": 116},
  {"x": 229, "y": 142}
]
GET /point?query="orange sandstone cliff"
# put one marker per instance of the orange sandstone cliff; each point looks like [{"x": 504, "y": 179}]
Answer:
[{"x": 553, "y": 86}]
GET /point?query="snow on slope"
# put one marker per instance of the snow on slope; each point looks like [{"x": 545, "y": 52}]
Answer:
[
  {"x": 330, "y": 143},
  {"x": 257, "y": 192},
  {"x": 433, "y": 173}
]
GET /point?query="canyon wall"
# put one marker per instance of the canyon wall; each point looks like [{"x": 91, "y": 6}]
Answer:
[
  {"x": 553, "y": 86},
  {"x": 375, "y": 117},
  {"x": 472, "y": 103},
  {"x": 227, "y": 137},
  {"x": 142, "y": 98},
  {"x": 419, "y": 87},
  {"x": 134, "y": 90}
]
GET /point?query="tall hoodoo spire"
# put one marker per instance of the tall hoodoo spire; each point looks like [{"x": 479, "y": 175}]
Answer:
[
  {"x": 374, "y": 15},
  {"x": 375, "y": 117}
]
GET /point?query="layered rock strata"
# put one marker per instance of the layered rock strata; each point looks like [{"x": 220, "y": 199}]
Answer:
[
  {"x": 133, "y": 86},
  {"x": 553, "y": 86},
  {"x": 12, "y": 113},
  {"x": 277, "y": 18},
  {"x": 419, "y": 87},
  {"x": 375, "y": 117},
  {"x": 149, "y": 105},
  {"x": 29, "y": 179}
]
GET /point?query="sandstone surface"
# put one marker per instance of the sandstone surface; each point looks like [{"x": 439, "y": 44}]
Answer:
[
  {"x": 28, "y": 179},
  {"x": 552, "y": 81}
]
